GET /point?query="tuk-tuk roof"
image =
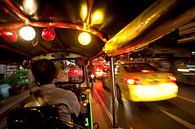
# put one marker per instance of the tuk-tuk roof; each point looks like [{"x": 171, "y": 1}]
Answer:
[{"x": 124, "y": 22}]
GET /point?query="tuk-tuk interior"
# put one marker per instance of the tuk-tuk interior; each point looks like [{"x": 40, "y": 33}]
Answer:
[
  {"x": 71, "y": 75},
  {"x": 116, "y": 27}
]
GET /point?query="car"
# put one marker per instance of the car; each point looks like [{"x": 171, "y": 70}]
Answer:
[{"x": 141, "y": 82}]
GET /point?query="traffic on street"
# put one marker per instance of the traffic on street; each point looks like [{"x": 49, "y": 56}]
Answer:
[
  {"x": 94, "y": 64},
  {"x": 177, "y": 113}
]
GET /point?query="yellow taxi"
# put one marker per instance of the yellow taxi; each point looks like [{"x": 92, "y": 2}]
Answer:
[{"x": 141, "y": 82}]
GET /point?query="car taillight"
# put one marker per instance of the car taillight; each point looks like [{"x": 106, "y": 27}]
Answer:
[
  {"x": 172, "y": 78},
  {"x": 76, "y": 71},
  {"x": 133, "y": 81}
]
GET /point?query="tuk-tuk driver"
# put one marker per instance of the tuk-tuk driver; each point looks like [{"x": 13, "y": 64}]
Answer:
[{"x": 44, "y": 72}]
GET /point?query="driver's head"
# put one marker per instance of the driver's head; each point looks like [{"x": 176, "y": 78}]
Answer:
[{"x": 44, "y": 71}]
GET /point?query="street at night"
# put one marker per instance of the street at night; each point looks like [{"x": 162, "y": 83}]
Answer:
[
  {"x": 93, "y": 64},
  {"x": 177, "y": 113}
]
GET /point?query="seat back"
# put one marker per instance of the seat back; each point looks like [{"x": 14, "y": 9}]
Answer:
[{"x": 43, "y": 117}]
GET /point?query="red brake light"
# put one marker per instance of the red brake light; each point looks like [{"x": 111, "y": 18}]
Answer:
[
  {"x": 133, "y": 81},
  {"x": 76, "y": 70}
]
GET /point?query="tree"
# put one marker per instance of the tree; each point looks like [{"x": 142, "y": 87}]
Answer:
[{"x": 16, "y": 80}]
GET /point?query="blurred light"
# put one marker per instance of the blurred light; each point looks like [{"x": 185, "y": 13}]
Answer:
[
  {"x": 27, "y": 33},
  {"x": 9, "y": 35},
  {"x": 147, "y": 71},
  {"x": 29, "y": 6},
  {"x": 83, "y": 97},
  {"x": 92, "y": 75},
  {"x": 183, "y": 70},
  {"x": 133, "y": 81},
  {"x": 76, "y": 70},
  {"x": 172, "y": 78},
  {"x": 192, "y": 69},
  {"x": 98, "y": 70},
  {"x": 122, "y": 56},
  {"x": 84, "y": 38},
  {"x": 83, "y": 12},
  {"x": 34, "y": 43},
  {"x": 48, "y": 34},
  {"x": 97, "y": 17},
  {"x": 130, "y": 81},
  {"x": 190, "y": 66},
  {"x": 68, "y": 70}
]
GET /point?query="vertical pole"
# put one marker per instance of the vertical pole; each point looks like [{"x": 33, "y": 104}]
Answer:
[{"x": 114, "y": 113}]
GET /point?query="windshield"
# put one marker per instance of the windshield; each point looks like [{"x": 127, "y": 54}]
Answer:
[
  {"x": 69, "y": 71},
  {"x": 138, "y": 67}
]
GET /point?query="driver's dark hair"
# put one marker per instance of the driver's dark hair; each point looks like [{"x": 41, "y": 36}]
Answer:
[{"x": 44, "y": 71}]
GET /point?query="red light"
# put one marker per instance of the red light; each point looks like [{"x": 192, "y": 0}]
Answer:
[
  {"x": 9, "y": 35},
  {"x": 76, "y": 70},
  {"x": 133, "y": 81},
  {"x": 48, "y": 34},
  {"x": 122, "y": 56}
]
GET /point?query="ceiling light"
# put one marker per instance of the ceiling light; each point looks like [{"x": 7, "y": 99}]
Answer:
[
  {"x": 29, "y": 6},
  {"x": 97, "y": 17},
  {"x": 27, "y": 33},
  {"x": 84, "y": 38},
  {"x": 48, "y": 34},
  {"x": 9, "y": 35},
  {"x": 83, "y": 12}
]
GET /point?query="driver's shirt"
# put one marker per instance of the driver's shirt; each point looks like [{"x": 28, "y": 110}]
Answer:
[{"x": 65, "y": 100}]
